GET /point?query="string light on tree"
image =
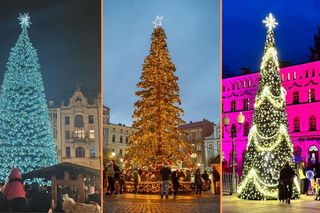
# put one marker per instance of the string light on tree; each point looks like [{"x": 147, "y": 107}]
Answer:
[
  {"x": 269, "y": 145},
  {"x": 26, "y": 139}
]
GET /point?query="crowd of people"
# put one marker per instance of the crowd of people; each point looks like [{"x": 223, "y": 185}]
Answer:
[{"x": 165, "y": 175}]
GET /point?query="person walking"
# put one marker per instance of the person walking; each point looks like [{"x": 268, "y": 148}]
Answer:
[
  {"x": 198, "y": 182},
  {"x": 215, "y": 181},
  {"x": 175, "y": 183},
  {"x": 14, "y": 193},
  {"x": 110, "y": 175},
  {"x": 165, "y": 173},
  {"x": 286, "y": 177}
]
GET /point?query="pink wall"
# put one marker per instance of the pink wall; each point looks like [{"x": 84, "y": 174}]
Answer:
[{"x": 299, "y": 78}]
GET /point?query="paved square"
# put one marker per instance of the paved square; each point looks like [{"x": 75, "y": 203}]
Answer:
[
  {"x": 305, "y": 204},
  {"x": 130, "y": 203}
]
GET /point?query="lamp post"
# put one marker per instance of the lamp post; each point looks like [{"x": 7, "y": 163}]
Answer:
[{"x": 233, "y": 130}]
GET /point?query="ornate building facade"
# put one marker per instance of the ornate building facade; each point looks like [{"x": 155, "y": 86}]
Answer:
[
  {"x": 301, "y": 83},
  {"x": 212, "y": 147},
  {"x": 76, "y": 129},
  {"x": 196, "y": 132}
]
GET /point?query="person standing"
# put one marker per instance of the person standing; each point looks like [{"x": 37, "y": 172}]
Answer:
[
  {"x": 175, "y": 183},
  {"x": 286, "y": 177},
  {"x": 135, "y": 175},
  {"x": 215, "y": 180},
  {"x": 302, "y": 178},
  {"x": 165, "y": 173},
  {"x": 110, "y": 175},
  {"x": 198, "y": 181},
  {"x": 14, "y": 192}
]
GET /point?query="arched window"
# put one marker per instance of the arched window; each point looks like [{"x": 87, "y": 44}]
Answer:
[
  {"x": 80, "y": 152},
  {"x": 312, "y": 123},
  {"x": 296, "y": 124},
  {"x": 246, "y": 129},
  {"x": 312, "y": 95},
  {"x": 92, "y": 152},
  {"x": 78, "y": 121},
  {"x": 295, "y": 97}
]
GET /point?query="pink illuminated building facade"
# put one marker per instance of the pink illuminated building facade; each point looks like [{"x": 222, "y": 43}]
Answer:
[{"x": 302, "y": 83}]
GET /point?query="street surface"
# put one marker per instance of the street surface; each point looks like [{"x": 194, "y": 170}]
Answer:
[
  {"x": 305, "y": 204},
  {"x": 190, "y": 203}
]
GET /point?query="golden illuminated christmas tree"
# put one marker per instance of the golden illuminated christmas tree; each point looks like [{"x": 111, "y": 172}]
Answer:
[{"x": 157, "y": 114}]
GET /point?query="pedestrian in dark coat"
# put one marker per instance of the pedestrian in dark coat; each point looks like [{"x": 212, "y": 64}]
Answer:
[
  {"x": 286, "y": 177},
  {"x": 175, "y": 183},
  {"x": 198, "y": 181},
  {"x": 215, "y": 180}
]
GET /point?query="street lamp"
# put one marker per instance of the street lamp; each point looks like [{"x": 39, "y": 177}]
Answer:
[
  {"x": 113, "y": 154},
  {"x": 233, "y": 130}
]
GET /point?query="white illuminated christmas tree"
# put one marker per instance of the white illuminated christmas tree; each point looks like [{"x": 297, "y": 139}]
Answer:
[
  {"x": 26, "y": 140},
  {"x": 269, "y": 145}
]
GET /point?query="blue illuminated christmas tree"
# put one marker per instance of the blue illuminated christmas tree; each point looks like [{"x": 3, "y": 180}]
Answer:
[{"x": 26, "y": 140}]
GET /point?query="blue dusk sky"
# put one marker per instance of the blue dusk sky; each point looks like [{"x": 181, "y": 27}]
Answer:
[
  {"x": 192, "y": 29},
  {"x": 244, "y": 33}
]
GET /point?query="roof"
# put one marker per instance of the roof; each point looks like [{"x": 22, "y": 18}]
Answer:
[
  {"x": 195, "y": 124},
  {"x": 50, "y": 171}
]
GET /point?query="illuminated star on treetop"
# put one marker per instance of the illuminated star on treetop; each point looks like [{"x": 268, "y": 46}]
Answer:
[
  {"x": 24, "y": 20},
  {"x": 270, "y": 22},
  {"x": 157, "y": 22}
]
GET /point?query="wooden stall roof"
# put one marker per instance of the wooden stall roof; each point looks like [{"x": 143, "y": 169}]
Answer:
[{"x": 50, "y": 171}]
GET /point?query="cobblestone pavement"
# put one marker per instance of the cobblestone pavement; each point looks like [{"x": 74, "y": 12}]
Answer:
[
  {"x": 129, "y": 203},
  {"x": 305, "y": 204}
]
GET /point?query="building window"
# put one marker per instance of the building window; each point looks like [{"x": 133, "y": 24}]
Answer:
[
  {"x": 121, "y": 138},
  {"x": 307, "y": 74},
  {"x": 67, "y": 134},
  {"x": 120, "y": 152},
  {"x": 55, "y": 133},
  {"x": 68, "y": 152},
  {"x": 232, "y": 86},
  {"x": 282, "y": 77},
  {"x": 312, "y": 123},
  {"x": 233, "y": 105},
  {"x": 92, "y": 152},
  {"x": 78, "y": 121},
  {"x": 249, "y": 83},
  {"x": 113, "y": 138},
  {"x": 79, "y": 133},
  {"x": 67, "y": 120},
  {"x": 294, "y": 75},
  {"x": 246, "y": 129},
  {"x": 296, "y": 124},
  {"x": 91, "y": 134},
  {"x": 80, "y": 152},
  {"x": 198, "y": 147},
  {"x": 312, "y": 95},
  {"x": 198, "y": 135},
  {"x": 210, "y": 146},
  {"x": 244, "y": 84},
  {"x": 313, "y": 73},
  {"x": 90, "y": 119},
  {"x": 288, "y": 77},
  {"x": 190, "y": 136},
  {"x": 246, "y": 104},
  {"x": 127, "y": 139},
  {"x": 295, "y": 97}
]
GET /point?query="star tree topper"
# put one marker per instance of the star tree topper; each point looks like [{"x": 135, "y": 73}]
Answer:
[
  {"x": 157, "y": 22},
  {"x": 24, "y": 20},
  {"x": 270, "y": 22}
]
